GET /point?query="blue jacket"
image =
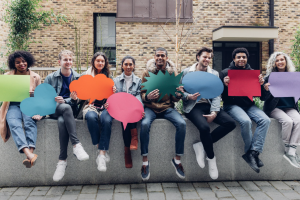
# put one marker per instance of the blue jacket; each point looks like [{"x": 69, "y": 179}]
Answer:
[
  {"x": 55, "y": 79},
  {"x": 134, "y": 89}
]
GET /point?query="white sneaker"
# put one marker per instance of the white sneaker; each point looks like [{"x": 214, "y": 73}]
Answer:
[
  {"x": 107, "y": 157},
  {"x": 200, "y": 153},
  {"x": 212, "y": 168},
  {"x": 60, "y": 170},
  {"x": 80, "y": 153},
  {"x": 101, "y": 163}
]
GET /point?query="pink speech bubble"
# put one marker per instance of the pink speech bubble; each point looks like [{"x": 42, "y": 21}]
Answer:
[{"x": 125, "y": 108}]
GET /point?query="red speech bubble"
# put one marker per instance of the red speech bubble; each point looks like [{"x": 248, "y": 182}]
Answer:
[
  {"x": 89, "y": 87},
  {"x": 244, "y": 83},
  {"x": 125, "y": 108}
]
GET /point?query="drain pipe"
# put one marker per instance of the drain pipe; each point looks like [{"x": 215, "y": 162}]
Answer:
[{"x": 271, "y": 23}]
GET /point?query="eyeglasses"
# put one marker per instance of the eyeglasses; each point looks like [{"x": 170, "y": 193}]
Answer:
[{"x": 160, "y": 55}]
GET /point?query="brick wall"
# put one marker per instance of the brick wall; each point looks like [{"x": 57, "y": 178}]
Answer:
[{"x": 3, "y": 33}]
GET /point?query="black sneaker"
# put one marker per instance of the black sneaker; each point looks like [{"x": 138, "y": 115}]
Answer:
[
  {"x": 258, "y": 161},
  {"x": 249, "y": 158},
  {"x": 179, "y": 169},
  {"x": 145, "y": 172}
]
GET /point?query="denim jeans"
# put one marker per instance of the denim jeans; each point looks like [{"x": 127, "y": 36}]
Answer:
[
  {"x": 244, "y": 115},
  {"x": 14, "y": 118},
  {"x": 106, "y": 121},
  {"x": 173, "y": 116},
  {"x": 93, "y": 123}
]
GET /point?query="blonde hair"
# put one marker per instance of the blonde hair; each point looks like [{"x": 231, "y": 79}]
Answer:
[
  {"x": 65, "y": 52},
  {"x": 271, "y": 67}
]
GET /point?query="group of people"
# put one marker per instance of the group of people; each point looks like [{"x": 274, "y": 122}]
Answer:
[{"x": 200, "y": 112}]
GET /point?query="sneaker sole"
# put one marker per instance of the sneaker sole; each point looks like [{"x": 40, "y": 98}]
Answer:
[
  {"x": 197, "y": 159},
  {"x": 101, "y": 170},
  {"x": 179, "y": 175},
  {"x": 256, "y": 170},
  {"x": 290, "y": 161},
  {"x": 147, "y": 178},
  {"x": 82, "y": 159}
]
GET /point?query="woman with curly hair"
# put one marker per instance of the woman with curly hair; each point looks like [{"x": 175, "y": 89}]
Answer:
[
  {"x": 283, "y": 109},
  {"x": 19, "y": 63}
]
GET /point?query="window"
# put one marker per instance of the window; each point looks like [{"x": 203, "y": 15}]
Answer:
[
  {"x": 105, "y": 36},
  {"x": 153, "y": 10}
]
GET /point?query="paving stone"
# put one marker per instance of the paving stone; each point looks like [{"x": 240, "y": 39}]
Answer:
[
  {"x": 223, "y": 194},
  {"x": 7, "y": 191},
  {"x": 210, "y": 198},
  {"x": 276, "y": 195},
  {"x": 259, "y": 195},
  {"x": 249, "y": 185},
  {"x": 295, "y": 187},
  {"x": 56, "y": 191},
  {"x": 106, "y": 187},
  {"x": 244, "y": 198},
  {"x": 205, "y": 193},
  {"x": 169, "y": 185},
  {"x": 156, "y": 196},
  {"x": 238, "y": 192},
  {"x": 190, "y": 195},
  {"x": 262, "y": 183},
  {"x": 226, "y": 198},
  {"x": 172, "y": 194},
  {"x": 292, "y": 183},
  {"x": 4, "y": 197},
  {"x": 89, "y": 189},
  {"x": 186, "y": 187},
  {"x": 231, "y": 184},
  {"x": 121, "y": 196},
  {"x": 122, "y": 188},
  {"x": 280, "y": 185},
  {"x": 201, "y": 185},
  {"x": 52, "y": 197},
  {"x": 71, "y": 192},
  {"x": 39, "y": 191},
  {"x": 105, "y": 194},
  {"x": 154, "y": 187},
  {"x": 86, "y": 196},
  {"x": 74, "y": 188},
  {"x": 36, "y": 197},
  {"x": 23, "y": 191},
  {"x": 217, "y": 186},
  {"x": 268, "y": 189},
  {"x": 139, "y": 193},
  {"x": 290, "y": 194},
  {"x": 69, "y": 197},
  {"x": 18, "y": 197},
  {"x": 138, "y": 186}
]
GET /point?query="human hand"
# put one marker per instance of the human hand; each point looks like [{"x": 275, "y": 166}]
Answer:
[
  {"x": 193, "y": 96},
  {"x": 266, "y": 86},
  {"x": 153, "y": 94},
  {"x": 226, "y": 80},
  {"x": 261, "y": 79},
  {"x": 114, "y": 89},
  {"x": 37, "y": 117},
  {"x": 59, "y": 99},
  {"x": 210, "y": 117},
  {"x": 73, "y": 95},
  {"x": 143, "y": 115},
  {"x": 106, "y": 105}
]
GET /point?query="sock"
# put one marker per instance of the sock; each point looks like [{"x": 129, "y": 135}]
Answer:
[
  {"x": 286, "y": 147},
  {"x": 146, "y": 163},
  {"x": 101, "y": 155},
  {"x": 177, "y": 161},
  {"x": 292, "y": 150}
]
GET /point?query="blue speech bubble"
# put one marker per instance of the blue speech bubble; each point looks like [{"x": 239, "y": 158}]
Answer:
[
  {"x": 43, "y": 103},
  {"x": 208, "y": 85}
]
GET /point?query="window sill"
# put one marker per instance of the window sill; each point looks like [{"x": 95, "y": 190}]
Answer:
[{"x": 124, "y": 19}]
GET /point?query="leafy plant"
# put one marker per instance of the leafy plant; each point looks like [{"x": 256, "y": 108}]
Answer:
[
  {"x": 258, "y": 103},
  {"x": 179, "y": 106},
  {"x": 296, "y": 50},
  {"x": 23, "y": 17}
]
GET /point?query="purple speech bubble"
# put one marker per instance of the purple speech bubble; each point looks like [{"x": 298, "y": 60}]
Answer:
[{"x": 285, "y": 84}]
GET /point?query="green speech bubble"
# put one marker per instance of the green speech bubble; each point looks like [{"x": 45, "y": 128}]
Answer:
[{"x": 14, "y": 88}]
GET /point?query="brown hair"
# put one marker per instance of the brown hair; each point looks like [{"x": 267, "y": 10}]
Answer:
[
  {"x": 105, "y": 70},
  {"x": 204, "y": 49}
]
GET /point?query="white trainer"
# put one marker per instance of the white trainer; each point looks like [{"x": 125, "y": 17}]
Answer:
[
  {"x": 107, "y": 157},
  {"x": 80, "y": 153},
  {"x": 200, "y": 153},
  {"x": 101, "y": 163},
  {"x": 60, "y": 170},
  {"x": 212, "y": 168}
]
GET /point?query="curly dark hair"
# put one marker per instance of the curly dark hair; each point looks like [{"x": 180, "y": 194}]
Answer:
[
  {"x": 105, "y": 70},
  {"x": 123, "y": 60},
  {"x": 240, "y": 50},
  {"x": 28, "y": 57},
  {"x": 204, "y": 49}
]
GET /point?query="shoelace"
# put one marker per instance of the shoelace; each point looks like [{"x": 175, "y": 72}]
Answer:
[
  {"x": 144, "y": 169},
  {"x": 180, "y": 167}
]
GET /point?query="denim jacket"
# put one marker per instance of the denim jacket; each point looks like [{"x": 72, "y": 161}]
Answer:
[
  {"x": 134, "y": 89},
  {"x": 188, "y": 105},
  {"x": 56, "y": 81}
]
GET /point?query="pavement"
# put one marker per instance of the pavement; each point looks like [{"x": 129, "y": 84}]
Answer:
[{"x": 239, "y": 190}]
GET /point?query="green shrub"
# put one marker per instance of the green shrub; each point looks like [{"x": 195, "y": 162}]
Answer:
[{"x": 259, "y": 103}]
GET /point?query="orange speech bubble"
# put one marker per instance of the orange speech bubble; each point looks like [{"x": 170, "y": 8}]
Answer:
[{"x": 89, "y": 87}]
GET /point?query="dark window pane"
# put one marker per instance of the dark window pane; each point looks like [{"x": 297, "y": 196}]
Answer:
[
  {"x": 106, "y": 31},
  {"x": 141, "y": 8},
  {"x": 171, "y": 9},
  {"x": 217, "y": 65},
  {"x": 124, "y": 8},
  {"x": 240, "y": 44},
  {"x": 159, "y": 9},
  {"x": 217, "y": 44}
]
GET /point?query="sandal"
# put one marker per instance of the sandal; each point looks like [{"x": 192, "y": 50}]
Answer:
[
  {"x": 33, "y": 160},
  {"x": 27, "y": 163}
]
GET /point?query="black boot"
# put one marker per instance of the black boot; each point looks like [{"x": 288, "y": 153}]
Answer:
[
  {"x": 249, "y": 158},
  {"x": 258, "y": 161}
]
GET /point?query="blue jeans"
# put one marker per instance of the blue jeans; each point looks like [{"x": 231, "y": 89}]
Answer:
[
  {"x": 106, "y": 121},
  {"x": 244, "y": 115},
  {"x": 93, "y": 123},
  {"x": 173, "y": 116},
  {"x": 14, "y": 118}
]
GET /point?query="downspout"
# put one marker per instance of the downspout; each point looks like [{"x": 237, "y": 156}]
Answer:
[{"x": 271, "y": 23}]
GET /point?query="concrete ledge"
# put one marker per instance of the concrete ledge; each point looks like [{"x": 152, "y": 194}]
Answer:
[{"x": 161, "y": 150}]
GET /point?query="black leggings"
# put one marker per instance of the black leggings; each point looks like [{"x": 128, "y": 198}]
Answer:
[
  {"x": 226, "y": 123},
  {"x": 127, "y": 133}
]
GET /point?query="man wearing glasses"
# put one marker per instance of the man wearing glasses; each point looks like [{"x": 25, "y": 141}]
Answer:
[{"x": 162, "y": 109}]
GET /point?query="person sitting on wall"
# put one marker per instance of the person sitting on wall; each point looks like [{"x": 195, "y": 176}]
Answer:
[
  {"x": 243, "y": 110},
  {"x": 161, "y": 109},
  {"x": 284, "y": 109},
  {"x": 205, "y": 111},
  {"x": 19, "y": 63},
  {"x": 65, "y": 100}
]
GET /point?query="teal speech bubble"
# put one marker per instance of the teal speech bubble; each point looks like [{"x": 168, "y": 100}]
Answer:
[
  {"x": 14, "y": 88},
  {"x": 43, "y": 103}
]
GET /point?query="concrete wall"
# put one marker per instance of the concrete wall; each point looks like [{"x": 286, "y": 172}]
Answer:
[{"x": 228, "y": 152}]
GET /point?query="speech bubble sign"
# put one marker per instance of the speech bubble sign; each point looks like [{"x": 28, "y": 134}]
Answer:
[
  {"x": 14, "y": 88},
  {"x": 43, "y": 103},
  {"x": 89, "y": 87},
  {"x": 165, "y": 83},
  {"x": 285, "y": 84},
  {"x": 244, "y": 83},
  {"x": 125, "y": 108},
  {"x": 208, "y": 85}
]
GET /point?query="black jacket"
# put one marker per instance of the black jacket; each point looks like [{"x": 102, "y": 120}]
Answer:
[
  {"x": 270, "y": 101},
  {"x": 234, "y": 100}
]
